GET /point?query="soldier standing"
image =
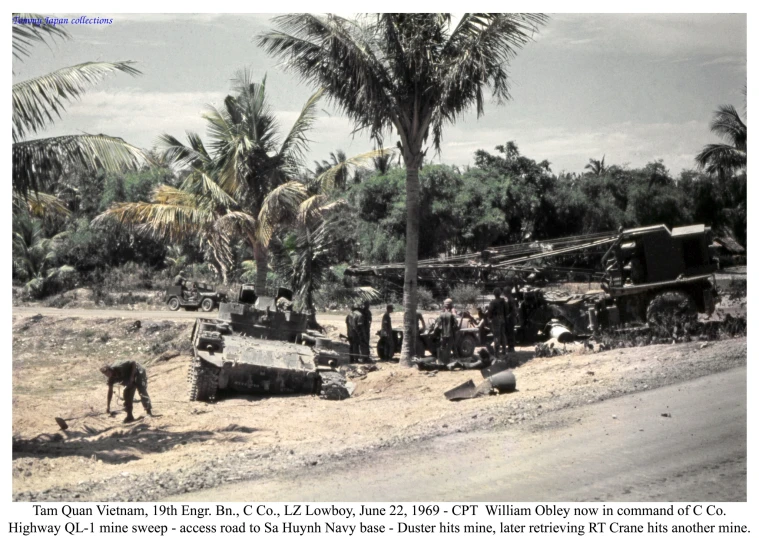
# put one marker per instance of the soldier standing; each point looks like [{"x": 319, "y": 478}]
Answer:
[
  {"x": 367, "y": 326},
  {"x": 134, "y": 377},
  {"x": 356, "y": 333},
  {"x": 511, "y": 319},
  {"x": 447, "y": 325},
  {"x": 386, "y": 332},
  {"x": 498, "y": 313},
  {"x": 482, "y": 325}
]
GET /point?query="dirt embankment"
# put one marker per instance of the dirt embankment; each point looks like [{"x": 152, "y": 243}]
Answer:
[{"x": 193, "y": 445}]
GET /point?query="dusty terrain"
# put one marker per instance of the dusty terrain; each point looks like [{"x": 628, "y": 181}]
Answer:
[
  {"x": 666, "y": 444},
  {"x": 191, "y": 446}
]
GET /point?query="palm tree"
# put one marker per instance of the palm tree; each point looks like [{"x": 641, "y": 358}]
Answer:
[
  {"x": 198, "y": 209},
  {"x": 730, "y": 158},
  {"x": 34, "y": 255},
  {"x": 412, "y": 73},
  {"x": 37, "y": 103},
  {"x": 257, "y": 170},
  {"x": 243, "y": 183},
  {"x": 306, "y": 250},
  {"x": 596, "y": 168},
  {"x": 335, "y": 159}
]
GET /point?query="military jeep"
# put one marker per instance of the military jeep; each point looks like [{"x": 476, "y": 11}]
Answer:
[{"x": 198, "y": 296}]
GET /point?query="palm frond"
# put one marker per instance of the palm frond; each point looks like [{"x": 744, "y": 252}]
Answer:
[
  {"x": 41, "y": 204},
  {"x": 38, "y": 101},
  {"x": 721, "y": 158},
  {"x": 728, "y": 125},
  {"x": 175, "y": 152},
  {"x": 38, "y": 163},
  {"x": 235, "y": 222},
  {"x": 25, "y": 35},
  {"x": 207, "y": 191},
  {"x": 278, "y": 205},
  {"x": 336, "y": 54},
  {"x": 326, "y": 180},
  {"x": 166, "y": 221},
  {"x": 352, "y": 295},
  {"x": 295, "y": 144}
]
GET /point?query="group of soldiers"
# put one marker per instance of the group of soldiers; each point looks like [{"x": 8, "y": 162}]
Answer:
[
  {"x": 358, "y": 324},
  {"x": 499, "y": 317}
]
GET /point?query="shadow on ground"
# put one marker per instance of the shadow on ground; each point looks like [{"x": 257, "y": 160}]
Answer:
[{"x": 114, "y": 444}]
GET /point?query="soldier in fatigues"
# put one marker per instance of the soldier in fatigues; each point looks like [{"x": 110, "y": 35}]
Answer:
[
  {"x": 447, "y": 325},
  {"x": 386, "y": 332},
  {"x": 511, "y": 320},
  {"x": 367, "y": 327},
  {"x": 356, "y": 334},
  {"x": 134, "y": 378},
  {"x": 498, "y": 311}
]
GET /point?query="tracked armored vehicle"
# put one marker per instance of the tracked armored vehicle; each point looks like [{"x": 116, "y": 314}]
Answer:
[{"x": 260, "y": 346}]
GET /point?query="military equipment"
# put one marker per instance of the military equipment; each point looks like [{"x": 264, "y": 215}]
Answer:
[
  {"x": 256, "y": 348},
  {"x": 202, "y": 297},
  {"x": 648, "y": 275},
  {"x": 428, "y": 341}
]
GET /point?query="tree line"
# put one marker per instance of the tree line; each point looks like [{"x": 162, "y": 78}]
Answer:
[{"x": 246, "y": 203}]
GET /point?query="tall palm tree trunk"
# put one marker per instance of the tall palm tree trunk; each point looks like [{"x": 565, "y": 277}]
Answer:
[
  {"x": 261, "y": 255},
  {"x": 412, "y": 259}
]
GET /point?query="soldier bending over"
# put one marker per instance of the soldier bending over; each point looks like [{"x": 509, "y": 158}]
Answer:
[{"x": 134, "y": 377}]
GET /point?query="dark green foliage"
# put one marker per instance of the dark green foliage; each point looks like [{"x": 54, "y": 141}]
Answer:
[
  {"x": 465, "y": 295},
  {"x": 87, "y": 248},
  {"x": 508, "y": 198}
]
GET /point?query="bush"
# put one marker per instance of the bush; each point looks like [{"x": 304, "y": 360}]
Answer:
[
  {"x": 424, "y": 298},
  {"x": 465, "y": 295}
]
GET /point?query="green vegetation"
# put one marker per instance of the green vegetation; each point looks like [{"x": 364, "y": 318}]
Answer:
[
  {"x": 243, "y": 207},
  {"x": 408, "y": 73}
]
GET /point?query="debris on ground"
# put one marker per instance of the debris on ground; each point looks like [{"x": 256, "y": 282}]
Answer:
[
  {"x": 478, "y": 361},
  {"x": 358, "y": 371},
  {"x": 61, "y": 423},
  {"x": 166, "y": 355},
  {"x": 550, "y": 349},
  {"x": 334, "y": 386},
  {"x": 499, "y": 383}
]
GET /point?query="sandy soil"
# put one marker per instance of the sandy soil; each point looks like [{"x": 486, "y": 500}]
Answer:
[{"x": 191, "y": 445}]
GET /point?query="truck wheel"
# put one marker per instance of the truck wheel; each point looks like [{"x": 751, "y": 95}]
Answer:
[
  {"x": 381, "y": 349},
  {"x": 173, "y": 304},
  {"x": 466, "y": 347},
  {"x": 204, "y": 381},
  {"x": 670, "y": 308},
  {"x": 206, "y": 305}
]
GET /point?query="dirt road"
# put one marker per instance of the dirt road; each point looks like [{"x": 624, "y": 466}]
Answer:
[
  {"x": 622, "y": 449},
  {"x": 394, "y": 412},
  {"x": 180, "y": 315}
]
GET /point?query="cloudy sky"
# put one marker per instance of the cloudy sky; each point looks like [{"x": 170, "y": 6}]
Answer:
[{"x": 634, "y": 88}]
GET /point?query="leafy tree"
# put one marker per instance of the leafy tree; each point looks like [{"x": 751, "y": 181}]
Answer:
[
  {"x": 34, "y": 256},
  {"x": 409, "y": 72}
]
